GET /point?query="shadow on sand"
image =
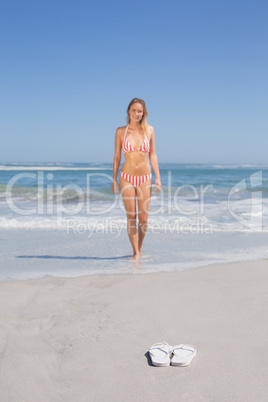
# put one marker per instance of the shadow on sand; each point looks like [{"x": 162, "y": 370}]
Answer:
[
  {"x": 62, "y": 257},
  {"x": 149, "y": 361}
]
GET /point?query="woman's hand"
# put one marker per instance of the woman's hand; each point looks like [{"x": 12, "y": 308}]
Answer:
[
  {"x": 158, "y": 185},
  {"x": 115, "y": 188}
]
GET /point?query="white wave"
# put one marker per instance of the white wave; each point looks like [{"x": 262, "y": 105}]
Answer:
[
  {"x": 3, "y": 167},
  {"x": 243, "y": 166},
  {"x": 74, "y": 224},
  {"x": 115, "y": 225}
]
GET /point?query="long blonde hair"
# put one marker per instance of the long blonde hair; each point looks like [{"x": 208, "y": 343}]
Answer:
[{"x": 145, "y": 113}]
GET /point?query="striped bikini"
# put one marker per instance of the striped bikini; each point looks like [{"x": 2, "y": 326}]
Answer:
[{"x": 127, "y": 147}]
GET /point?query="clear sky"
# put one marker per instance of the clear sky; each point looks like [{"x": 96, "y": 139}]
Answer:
[{"x": 69, "y": 69}]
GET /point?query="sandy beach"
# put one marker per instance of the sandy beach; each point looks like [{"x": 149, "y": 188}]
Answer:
[{"x": 87, "y": 338}]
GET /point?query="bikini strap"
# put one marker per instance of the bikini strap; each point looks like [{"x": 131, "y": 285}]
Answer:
[{"x": 125, "y": 132}]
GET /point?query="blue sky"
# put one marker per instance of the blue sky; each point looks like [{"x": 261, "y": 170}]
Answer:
[{"x": 69, "y": 69}]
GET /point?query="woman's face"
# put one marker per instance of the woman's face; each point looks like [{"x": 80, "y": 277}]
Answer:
[{"x": 136, "y": 112}]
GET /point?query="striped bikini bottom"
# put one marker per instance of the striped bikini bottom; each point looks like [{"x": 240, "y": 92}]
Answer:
[{"x": 136, "y": 180}]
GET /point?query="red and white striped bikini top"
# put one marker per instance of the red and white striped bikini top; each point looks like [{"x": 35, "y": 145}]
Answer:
[{"x": 127, "y": 147}]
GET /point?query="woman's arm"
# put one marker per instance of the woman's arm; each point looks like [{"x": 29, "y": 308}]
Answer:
[
  {"x": 117, "y": 159},
  {"x": 154, "y": 160}
]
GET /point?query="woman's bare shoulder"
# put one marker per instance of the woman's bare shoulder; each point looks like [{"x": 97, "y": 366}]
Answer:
[
  {"x": 120, "y": 131},
  {"x": 150, "y": 131}
]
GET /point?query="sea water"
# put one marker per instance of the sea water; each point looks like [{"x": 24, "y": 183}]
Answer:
[{"x": 63, "y": 219}]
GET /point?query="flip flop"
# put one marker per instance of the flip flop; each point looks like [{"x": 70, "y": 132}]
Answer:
[
  {"x": 160, "y": 354},
  {"x": 182, "y": 355}
]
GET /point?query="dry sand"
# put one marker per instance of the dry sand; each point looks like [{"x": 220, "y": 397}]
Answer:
[{"x": 86, "y": 339}]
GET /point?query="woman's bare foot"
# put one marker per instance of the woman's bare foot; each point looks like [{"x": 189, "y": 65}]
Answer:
[{"x": 136, "y": 256}]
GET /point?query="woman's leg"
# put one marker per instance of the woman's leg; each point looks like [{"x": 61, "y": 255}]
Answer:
[
  {"x": 144, "y": 198},
  {"x": 128, "y": 194}
]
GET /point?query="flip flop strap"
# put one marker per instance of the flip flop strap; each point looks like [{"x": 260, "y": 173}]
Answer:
[
  {"x": 157, "y": 346},
  {"x": 184, "y": 347},
  {"x": 162, "y": 350}
]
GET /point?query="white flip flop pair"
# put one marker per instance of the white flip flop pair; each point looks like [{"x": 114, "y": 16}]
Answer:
[{"x": 162, "y": 354}]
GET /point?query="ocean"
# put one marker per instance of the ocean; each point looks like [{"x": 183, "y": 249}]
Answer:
[{"x": 62, "y": 219}]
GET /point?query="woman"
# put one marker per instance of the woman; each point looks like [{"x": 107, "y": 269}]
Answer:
[{"x": 137, "y": 140}]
